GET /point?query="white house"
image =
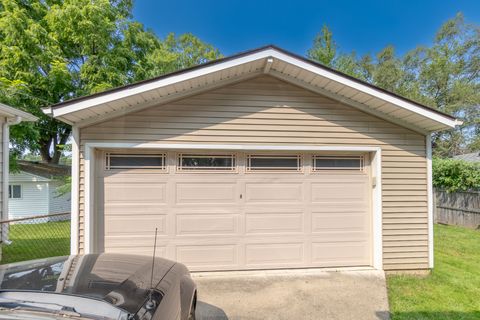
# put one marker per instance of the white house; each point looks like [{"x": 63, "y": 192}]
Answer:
[
  {"x": 33, "y": 190},
  {"x": 8, "y": 116}
]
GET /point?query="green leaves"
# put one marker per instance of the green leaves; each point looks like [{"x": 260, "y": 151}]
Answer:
[
  {"x": 176, "y": 53},
  {"x": 445, "y": 76},
  {"x": 56, "y": 50},
  {"x": 326, "y": 51},
  {"x": 455, "y": 175}
]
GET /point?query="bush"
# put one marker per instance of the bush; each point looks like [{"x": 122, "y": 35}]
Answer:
[{"x": 455, "y": 175}]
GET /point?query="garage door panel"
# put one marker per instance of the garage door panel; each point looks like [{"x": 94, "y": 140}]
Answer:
[
  {"x": 339, "y": 236},
  {"x": 206, "y": 224},
  {"x": 274, "y": 254},
  {"x": 340, "y": 253},
  {"x": 347, "y": 192},
  {"x": 343, "y": 222},
  {"x": 161, "y": 251},
  {"x": 120, "y": 225},
  {"x": 135, "y": 241},
  {"x": 135, "y": 193},
  {"x": 208, "y": 256},
  {"x": 135, "y": 209},
  {"x": 274, "y": 222},
  {"x": 274, "y": 192},
  {"x": 206, "y": 193}
]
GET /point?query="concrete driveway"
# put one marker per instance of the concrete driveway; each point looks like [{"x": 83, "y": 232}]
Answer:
[{"x": 356, "y": 295}]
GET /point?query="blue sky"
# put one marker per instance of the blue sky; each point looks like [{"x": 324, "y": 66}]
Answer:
[{"x": 362, "y": 26}]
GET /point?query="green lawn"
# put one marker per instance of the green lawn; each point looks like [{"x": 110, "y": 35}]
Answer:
[
  {"x": 452, "y": 291},
  {"x": 34, "y": 241}
]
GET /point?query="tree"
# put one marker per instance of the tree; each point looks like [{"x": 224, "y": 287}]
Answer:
[
  {"x": 55, "y": 50},
  {"x": 325, "y": 50},
  {"x": 448, "y": 76},
  {"x": 444, "y": 76},
  {"x": 176, "y": 53}
]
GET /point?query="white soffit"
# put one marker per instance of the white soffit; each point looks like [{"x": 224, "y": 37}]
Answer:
[
  {"x": 11, "y": 112},
  {"x": 268, "y": 60}
]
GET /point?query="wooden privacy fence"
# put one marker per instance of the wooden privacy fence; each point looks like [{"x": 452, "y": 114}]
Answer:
[{"x": 457, "y": 208}]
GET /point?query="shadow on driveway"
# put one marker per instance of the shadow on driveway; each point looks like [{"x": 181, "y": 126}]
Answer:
[{"x": 207, "y": 311}]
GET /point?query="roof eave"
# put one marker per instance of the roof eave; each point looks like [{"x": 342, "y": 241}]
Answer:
[
  {"x": 442, "y": 121},
  {"x": 17, "y": 114}
]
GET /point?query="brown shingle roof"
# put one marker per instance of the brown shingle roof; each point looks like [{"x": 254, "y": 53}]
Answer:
[
  {"x": 46, "y": 170},
  {"x": 471, "y": 157}
]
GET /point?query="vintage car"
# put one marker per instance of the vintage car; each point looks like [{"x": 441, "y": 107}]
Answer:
[{"x": 97, "y": 286}]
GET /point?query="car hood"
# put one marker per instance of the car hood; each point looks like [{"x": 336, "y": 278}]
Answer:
[{"x": 121, "y": 280}]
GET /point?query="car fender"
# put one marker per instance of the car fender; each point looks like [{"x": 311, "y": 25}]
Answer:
[{"x": 188, "y": 290}]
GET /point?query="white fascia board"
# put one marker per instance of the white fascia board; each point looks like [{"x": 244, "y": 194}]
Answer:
[
  {"x": 11, "y": 112},
  {"x": 109, "y": 97},
  {"x": 264, "y": 54},
  {"x": 365, "y": 89}
]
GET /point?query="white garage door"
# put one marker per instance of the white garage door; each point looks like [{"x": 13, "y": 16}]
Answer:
[{"x": 237, "y": 211}]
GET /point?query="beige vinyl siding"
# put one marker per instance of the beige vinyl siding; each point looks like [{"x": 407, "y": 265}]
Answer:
[{"x": 265, "y": 110}]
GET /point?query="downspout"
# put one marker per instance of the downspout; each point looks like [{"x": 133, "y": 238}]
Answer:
[
  {"x": 430, "y": 195},
  {"x": 6, "y": 170}
]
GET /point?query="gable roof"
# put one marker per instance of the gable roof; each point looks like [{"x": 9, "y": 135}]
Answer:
[
  {"x": 471, "y": 157},
  {"x": 10, "y": 112},
  {"x": 269, "y": 60},
  {"x": 45, "y": 170}
]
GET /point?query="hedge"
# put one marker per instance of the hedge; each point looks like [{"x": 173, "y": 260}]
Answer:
[{"x": 455, "y": 175}]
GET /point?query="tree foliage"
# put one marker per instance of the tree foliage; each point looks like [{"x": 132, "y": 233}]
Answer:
[
  {"x": 326, "y": 51},
  {"x": 55, "y": 50},
  {"x": 444, "y": 76},
  {"x": 455, "y": 175}
]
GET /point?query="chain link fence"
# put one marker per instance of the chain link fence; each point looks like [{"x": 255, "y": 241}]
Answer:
[{"x": 35, "y": 237}]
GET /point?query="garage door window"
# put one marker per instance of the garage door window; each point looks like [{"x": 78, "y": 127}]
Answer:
[
  {"x": 199, "y": 162},
  {"x": 135, "y": 161},
  {"x": 291, "y": 163},
  {"x": 322, "y": 163}
]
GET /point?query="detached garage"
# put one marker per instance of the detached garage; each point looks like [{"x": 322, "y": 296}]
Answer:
[{"x": 262, "y": 160}]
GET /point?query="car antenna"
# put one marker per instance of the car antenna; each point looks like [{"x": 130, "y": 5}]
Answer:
[{"x": 150, "y": 303}]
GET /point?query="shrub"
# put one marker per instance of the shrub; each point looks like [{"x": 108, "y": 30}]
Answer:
[{"x": 455, "y": 175}]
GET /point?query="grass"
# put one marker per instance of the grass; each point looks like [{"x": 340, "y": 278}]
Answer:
[
  {"x": 35, "y": 241},
  {"x": 452, "y": 291}
]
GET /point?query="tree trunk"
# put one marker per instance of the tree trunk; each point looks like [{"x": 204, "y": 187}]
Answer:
[
  {"x": 56, "y": 144},
  {"x": 57, "y": 153},
  {"x": 45, "y": 150}
]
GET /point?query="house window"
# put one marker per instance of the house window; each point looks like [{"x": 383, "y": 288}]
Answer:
[
  {"x": 321, "y": 163},
  {"x": 259, "y": 162},
  {"x": 14, "y": 191},
  {"x": 135, "y": 161},
  {"x": 208, "y": 162}
]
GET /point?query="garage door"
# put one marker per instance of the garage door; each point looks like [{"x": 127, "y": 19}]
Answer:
[{"x": 237, "y": 211}]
